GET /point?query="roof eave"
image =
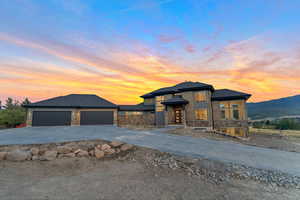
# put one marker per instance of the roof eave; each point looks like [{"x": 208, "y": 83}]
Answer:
[
  {"x": 91, "y": 107},
  {"x": 245, "y": 97}
]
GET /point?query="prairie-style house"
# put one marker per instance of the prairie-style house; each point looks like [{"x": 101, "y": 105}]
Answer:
[{"x": 191, "y": 104}]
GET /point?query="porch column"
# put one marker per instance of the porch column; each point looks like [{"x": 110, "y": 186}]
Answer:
[{"x": 184, "y": 116}]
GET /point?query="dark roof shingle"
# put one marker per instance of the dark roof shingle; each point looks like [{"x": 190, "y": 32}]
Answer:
[
  {"x": 74, "y": 101},
  {"x": 184, "y": 86},
  {"x": 226, "y": 94},
  {"x": 176, "y": 100}
]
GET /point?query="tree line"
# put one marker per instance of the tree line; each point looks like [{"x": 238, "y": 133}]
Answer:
[
  {"x": 281, "y": 124},
  {"x": 13, "y": 113}
]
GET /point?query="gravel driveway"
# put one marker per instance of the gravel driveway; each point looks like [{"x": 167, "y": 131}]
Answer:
[{"x": 262, "y": 158}]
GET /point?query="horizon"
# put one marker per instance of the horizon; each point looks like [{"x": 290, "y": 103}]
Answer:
[{"x": 120, "y": 50}]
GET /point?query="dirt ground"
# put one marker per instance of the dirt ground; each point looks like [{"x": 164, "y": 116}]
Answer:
[
  {"x": 130, "y": 177},
  {"x": 256, "y": 138}
]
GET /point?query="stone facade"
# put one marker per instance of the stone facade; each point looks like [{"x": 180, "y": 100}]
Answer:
[
  {"x": 142, "y": 119},
  {"x": 229, "y": 125}
]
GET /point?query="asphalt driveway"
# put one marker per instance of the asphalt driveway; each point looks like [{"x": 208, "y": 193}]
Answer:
[{"x": 224, "y": 151}]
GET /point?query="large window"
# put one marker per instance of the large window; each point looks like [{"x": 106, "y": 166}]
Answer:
[
  {"x": 200, "y": 96},
  {"x": 201, "y": 114},
  {"x": 159, "y": 107},
  {"x": 235, "y": 111},
  {"x": 223, "y": 111},
  {"x": 230, "y": 111}
]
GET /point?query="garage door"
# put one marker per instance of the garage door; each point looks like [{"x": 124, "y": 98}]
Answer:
[
  {"x": 51, "y": 118},
  {"x": 96, "y": 117}
]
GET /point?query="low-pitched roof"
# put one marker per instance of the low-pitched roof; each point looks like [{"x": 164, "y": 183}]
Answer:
[
  {"x": 73, "y": 101},
  {"x": 176, "y": 100},
  {"x": 181, "y": 87},
  {"x": 226, "y": 94},
  {"x": 138, "y": 107}
]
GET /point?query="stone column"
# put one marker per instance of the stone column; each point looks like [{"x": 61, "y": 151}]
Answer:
[
  {"x": 184, "y": 116},
  {"x": 75, "y": 118},
  {"x": 29, "y": 118}
]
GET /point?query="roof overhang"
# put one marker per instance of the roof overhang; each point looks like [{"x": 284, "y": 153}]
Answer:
[{"x": 228, "y": 98}]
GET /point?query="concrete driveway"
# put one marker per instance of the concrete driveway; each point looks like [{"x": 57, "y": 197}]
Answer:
[{"x": 224, "y": 151}]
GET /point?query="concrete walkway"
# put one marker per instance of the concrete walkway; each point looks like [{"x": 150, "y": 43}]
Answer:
[{"x": 263, "y": 158}]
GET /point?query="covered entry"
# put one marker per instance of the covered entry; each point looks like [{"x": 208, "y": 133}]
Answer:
[
  {"x": 96, "y": 117},
  {"x": 51, "y": 118},
  {"x": 175, "y": 109}
]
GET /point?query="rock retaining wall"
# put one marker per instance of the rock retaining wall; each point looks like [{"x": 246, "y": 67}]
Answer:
[{"x": 46, "y": 152}]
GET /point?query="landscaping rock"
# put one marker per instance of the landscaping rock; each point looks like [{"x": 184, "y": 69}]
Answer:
[
  {"x": 126, "y": 147},
  {"x": 69, "y": 155},
  {"x": 34, "y": 151},
  {"x": 35, "y": 158},
  {"x": 64, "y": 149},
  {"x": 116, "y": 143},
  {"x": 92, "y": 152},
  {"x": 77, "y": 151},
  {"x": 3, "y": 155},
  {"x": 109, "y": 151},
  {"x": 18, "y": 155},
  {"x": 49, "y": 155},
  {"x": 105, "y": 147},
  {"x": 83, "y": 153},
  {"x": 98, "y": 153}
]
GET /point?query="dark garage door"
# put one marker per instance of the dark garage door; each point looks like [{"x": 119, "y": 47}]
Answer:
[
  {"x": 96, "y": 117},
  {"x": 51, "y": 118}
]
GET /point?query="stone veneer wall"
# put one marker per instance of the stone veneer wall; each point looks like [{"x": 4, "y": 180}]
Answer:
[
  {"x": 230, "y": 125},
  {"x": 145, "y": 120}
]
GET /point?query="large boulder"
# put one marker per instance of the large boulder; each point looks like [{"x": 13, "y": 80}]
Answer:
[
  {"x": 18, "y": 155},
  {"x": 116, "y": 143},
  {"x": 69, "y": 155},
  {"x": 49, "y": 155},
  {"x": 64, "y": 149},
  {"x": 83, "y": 153},
  {"x": 34, "y": 151},
  {"x": 105, "y": 147},
  {"x": 109, "y": 151},
  {"x": 98, "y": 153},
  {"x": 3, "y": 155},
  {"x": 126, "y": 147}
]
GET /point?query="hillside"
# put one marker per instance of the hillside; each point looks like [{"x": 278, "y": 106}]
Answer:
[{"x": 274, "y": 108}]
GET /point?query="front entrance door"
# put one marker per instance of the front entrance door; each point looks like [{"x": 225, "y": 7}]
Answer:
[{"x": 178, "y": 115}]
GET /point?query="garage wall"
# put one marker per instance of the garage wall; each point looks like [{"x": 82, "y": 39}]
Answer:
[{"x": 75, "y": 114}]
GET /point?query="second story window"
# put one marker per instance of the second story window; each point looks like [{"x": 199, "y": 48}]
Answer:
[
  {"x": 200, "y": 96},
  {"x": 223, "y": 111},
  {"x": 235, "y": 111},
  {"x": 201, "y": 114}
]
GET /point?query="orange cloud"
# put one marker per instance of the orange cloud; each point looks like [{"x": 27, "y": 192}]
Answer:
[{"x": 123, "y": 76}]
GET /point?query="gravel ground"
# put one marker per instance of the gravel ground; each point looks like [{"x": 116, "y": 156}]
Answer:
[
  {"x": 272, "y": 141},
  {"x": 141, "y": 174}
]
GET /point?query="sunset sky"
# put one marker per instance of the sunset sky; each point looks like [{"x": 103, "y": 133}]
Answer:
[{"x": 121, "y": 49}]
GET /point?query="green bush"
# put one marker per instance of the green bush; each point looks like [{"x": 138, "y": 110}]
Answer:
[{"x": 13, "y": 114}]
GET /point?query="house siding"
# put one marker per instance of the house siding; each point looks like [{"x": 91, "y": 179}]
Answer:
[{"x": 146, "y": 119}]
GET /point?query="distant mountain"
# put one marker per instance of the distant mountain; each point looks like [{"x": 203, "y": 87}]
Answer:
[{"x": 274, "y": 108}]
